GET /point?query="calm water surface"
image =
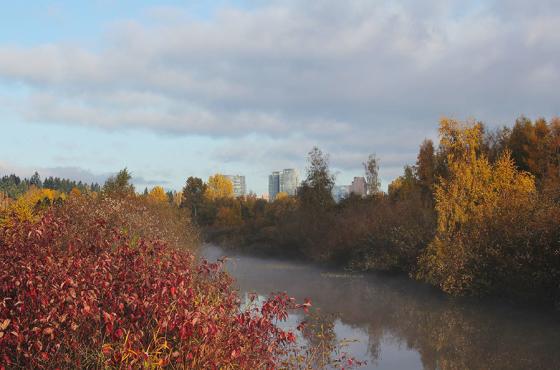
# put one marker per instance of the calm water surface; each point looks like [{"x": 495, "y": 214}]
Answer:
[{"x": 400, "y": 324}]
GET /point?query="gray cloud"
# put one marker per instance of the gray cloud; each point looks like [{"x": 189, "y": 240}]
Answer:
[{"x": 353, "y": 77}]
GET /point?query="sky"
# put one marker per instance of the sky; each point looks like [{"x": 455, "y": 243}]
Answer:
[{"x": 174, "y": 89}]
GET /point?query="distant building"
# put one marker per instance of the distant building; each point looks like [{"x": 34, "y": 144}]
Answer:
[
  {"x": 273, "y": 185},
  {"x": 286, "y": 181},
  {"x": 358, "y": 186},
  {"x": 239, "y": 187},
  {"x": 289, "y": 181},
  {"x": 340, "y": 192}
]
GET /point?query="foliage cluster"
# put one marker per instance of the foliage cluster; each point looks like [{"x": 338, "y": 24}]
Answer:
[
  {"x": 13, "y": 186},
  {"x": 28, "y": 206},
  {"x": 98, "y": 282},
  {"x": 495, "y": 232},
  {"x": 476, "y": 215}
]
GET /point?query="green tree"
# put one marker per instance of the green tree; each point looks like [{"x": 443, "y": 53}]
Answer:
[
  {"x": 193, "y": 195},
  {"x": 35, "y": 180},
  {"x": 119, "y": 184},
  {"x": 316, "y": 190}
]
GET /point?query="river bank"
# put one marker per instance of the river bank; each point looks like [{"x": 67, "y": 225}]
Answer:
[{"x": 400, "y": 323}]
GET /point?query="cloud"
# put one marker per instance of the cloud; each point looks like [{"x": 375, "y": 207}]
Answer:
[
  {"x": 141, "y": 181},
  {"x": 354, "y": 77}
]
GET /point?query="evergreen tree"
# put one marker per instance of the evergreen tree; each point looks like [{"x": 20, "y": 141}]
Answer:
[
  {"x": 193, "y": 195},
  {"x": 35, "y": 180},
  {"x": 119, "y": 184}
]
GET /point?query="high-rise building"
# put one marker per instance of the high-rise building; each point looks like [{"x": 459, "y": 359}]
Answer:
[
  {"x": 273, "y": 185},
  {"x": 239, "y": 187},
  {"x": 286, "y": 181},
  {"x": 289, "y": 181},
  {"x": 359, "y": 186}
]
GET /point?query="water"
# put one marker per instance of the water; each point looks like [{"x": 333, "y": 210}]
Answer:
[{"x": 401, "y": 324}]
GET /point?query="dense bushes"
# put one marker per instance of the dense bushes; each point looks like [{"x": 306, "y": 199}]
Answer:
[
  {"x": 382, "y": 234},
  {"x": 94, "y": 283},
  {"x": 495, "y": 233}
]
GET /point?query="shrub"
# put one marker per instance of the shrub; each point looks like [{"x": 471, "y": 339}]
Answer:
[{"x": 92, "y": 283}]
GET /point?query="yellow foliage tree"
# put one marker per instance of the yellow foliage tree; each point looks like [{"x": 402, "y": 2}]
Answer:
[
  {"x": 157, "y": 194},
  {"x": 75, "y": 192},
  {"x": 281, "y": 196},
  {"x": 219, "y": 187},
  {"x": 473, "y": 193},
  {"x": 4, "y": 201},
  {"x": 25, "y": 207}
]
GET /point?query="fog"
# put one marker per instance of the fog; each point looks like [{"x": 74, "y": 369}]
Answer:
[{"x": 402, "y": 324}]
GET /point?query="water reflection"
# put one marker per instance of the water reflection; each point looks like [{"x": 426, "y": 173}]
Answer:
[{"x": 404, "y": 325}]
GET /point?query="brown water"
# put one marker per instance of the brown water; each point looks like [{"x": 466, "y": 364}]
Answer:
[{"x": 400, "y": 324}]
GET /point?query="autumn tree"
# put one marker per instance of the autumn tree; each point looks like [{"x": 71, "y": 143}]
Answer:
[
  {"x": 474, "y": 193},
  {"x": 28, "y": 206},
  {"x": 551, "y": 184},
  {"x": 229, "y": 216},
  {"x": 4, "y": 201},
  {"x": 281, "y": 196},
  {"x": 157, "y": 194},
  {"x": 495, "y": 142},
  {"x": 75, "y": 192},
  {"x": 218, "y": 187},
  {"x": 425, "y": 169},
  {"x": 404, "y": 186},
  {"x": 371, "y": 169}
]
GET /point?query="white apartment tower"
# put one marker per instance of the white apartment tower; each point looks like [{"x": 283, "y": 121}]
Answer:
[
  {"x": 289, "y": 181},
  {"x": 239, "y": 187}
]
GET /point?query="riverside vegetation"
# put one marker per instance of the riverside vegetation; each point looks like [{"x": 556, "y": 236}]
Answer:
[
  {"x": 102, "y": 277},
  {"x": 106, "y": 278},
  {"x": 477, "y": 215}
]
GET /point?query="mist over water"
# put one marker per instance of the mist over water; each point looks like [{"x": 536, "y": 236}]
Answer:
[{"x": 401, "y": 324}]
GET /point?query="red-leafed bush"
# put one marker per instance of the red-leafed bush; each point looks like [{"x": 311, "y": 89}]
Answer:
[{"x": 93, "y": 283}]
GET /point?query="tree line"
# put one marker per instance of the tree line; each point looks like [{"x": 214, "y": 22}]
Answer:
[
  {"x": 13, "y": 186},
  {"x": 477, "y": 214}
]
